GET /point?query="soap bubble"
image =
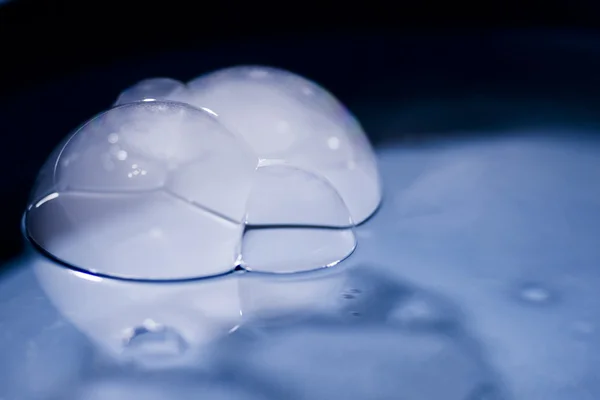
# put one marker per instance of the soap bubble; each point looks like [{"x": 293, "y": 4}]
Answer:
[
  {"x": 295, "y": 220},
  {"x": 284, "y": 116},
  {"x": 117, "y": 199},
  {"x": 153, "y": 89},
  {"x": 277, "y": 189}
]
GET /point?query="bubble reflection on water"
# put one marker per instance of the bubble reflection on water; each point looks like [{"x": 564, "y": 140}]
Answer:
[
  {"x": 346, "y": 333},
  {"x": 362, "y": 350}
]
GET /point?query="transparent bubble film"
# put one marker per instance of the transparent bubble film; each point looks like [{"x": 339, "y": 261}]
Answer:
[{"x": 158, "y": 189}]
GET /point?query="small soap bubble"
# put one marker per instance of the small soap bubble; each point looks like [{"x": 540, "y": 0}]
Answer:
[{"x": 154, "y": 89}]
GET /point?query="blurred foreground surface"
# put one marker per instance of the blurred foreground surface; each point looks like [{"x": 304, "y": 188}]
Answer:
[{"x": 477, "y": 279}]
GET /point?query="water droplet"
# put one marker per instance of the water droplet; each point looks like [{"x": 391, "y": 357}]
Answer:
[
  {"x": 122, "y": 155},
  {"x": 113, "y": 138},
  {"x": 534, "y": 294}
]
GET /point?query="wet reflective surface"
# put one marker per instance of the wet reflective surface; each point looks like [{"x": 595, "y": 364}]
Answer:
[{"x": 477, "y": 279}]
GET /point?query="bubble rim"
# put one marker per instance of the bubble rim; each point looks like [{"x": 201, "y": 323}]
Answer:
[{"x": 237, "y": 269}]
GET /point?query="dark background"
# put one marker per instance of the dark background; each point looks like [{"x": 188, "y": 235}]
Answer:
[{"x": 62, "y": 62}]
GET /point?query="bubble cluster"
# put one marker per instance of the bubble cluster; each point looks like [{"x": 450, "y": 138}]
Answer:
[{"x": 245, "y": 167}]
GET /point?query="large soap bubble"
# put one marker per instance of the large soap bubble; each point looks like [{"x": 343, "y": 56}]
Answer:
[
  {"x": 116, "y": 198},
  {"x": 283, "y": 116}
]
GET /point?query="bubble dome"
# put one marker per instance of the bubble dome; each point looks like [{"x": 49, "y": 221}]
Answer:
[
  {"x": 157, "y": 189},
  {"x": 283, "y": 116}
]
